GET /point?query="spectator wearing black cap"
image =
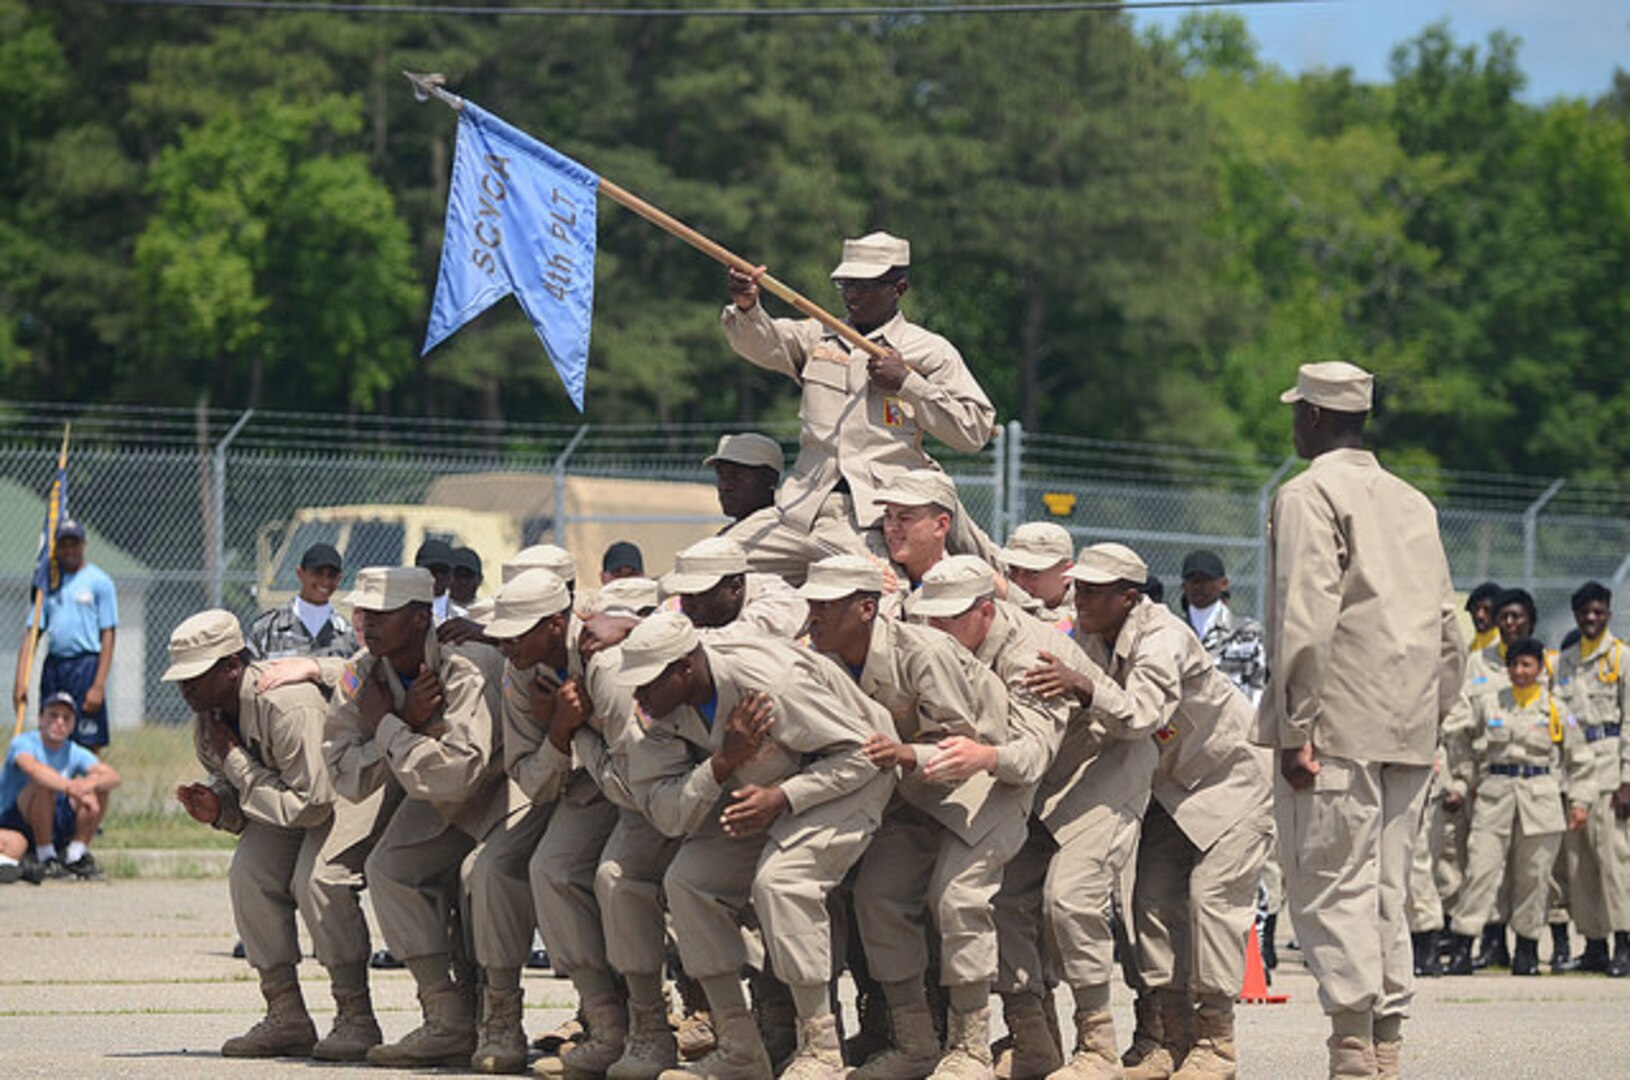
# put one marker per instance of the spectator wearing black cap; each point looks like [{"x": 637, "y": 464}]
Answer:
[
  {"x": 467, "y": 577},
  {"x": 1234, "y": 643},
  {"x": 53, "y": 794},
  {"x": 437, "y": 557},
  {"x": 79, "y": 618},
  {"x": 622, "y": 559},
  {"x": 308, "y": 625}
]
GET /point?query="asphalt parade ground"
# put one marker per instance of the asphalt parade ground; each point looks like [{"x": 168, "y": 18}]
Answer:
[{"x": 135, "y": 978}]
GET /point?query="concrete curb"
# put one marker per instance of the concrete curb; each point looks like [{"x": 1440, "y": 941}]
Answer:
[{"x": 165, "y": 862}]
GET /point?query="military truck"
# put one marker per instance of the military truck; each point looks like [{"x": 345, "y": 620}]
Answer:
[{"x": 496, "y": 514}]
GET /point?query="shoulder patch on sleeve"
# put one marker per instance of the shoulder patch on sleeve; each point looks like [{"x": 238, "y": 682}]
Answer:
[{"x": 350, "y": 682}]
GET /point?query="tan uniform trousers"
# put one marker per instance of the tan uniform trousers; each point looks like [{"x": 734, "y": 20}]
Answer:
[
  {"x": 916, "y": 864},
  {"x": 713, "y": 876},
  {"x": 271, "y": 875},
  {"x": 500, "y": 903},
  {"x": 1346, "y": 845},
  {"x": 1425, "y": 911},
  {"x": 1599, "y": 869},
  {"x": 1449, "y": 831},
  {"x": 562, "y": 874},
  {"x": 1558, "y": 890},
  {"x": 336, "y": 878},
  {"x": 414, "y": 875},
  {"x": 1273, "y": 882},
  {"x": 1056, "y": 900},
  {"x": 628, "y": 889},
  {"x": 1191, "y": 909},
  {"x": 1500, "y": 847}
]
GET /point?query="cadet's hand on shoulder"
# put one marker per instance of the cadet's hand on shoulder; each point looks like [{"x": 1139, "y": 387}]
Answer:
[
  {"x": 888, "y": 372},
  {"x": 458, "y": 631},
  {"x": 287, "y": 672},
  {"x": 572, "y": 710},
  {"x": 1299, "y": 766},
  {"x": 200, "y": 802},
  {"x": 1578, "y": 817},
  {"x": 424, "y": 699},
  {"x": 744, "y": 287},
  {"x": 754, "y": 809},
  {"x": 602, "y": 631},
  {"x": 886, "y": 753},
  {"x": 958, "y": 758},
  {"x": 744, "y": 732},
  {"x": 1452, "y": 801},
  {"x": 540, "y": 696},
  {"x": 1054, "y": 678}
]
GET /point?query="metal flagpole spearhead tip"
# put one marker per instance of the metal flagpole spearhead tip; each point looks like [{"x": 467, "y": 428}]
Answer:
[{"x": 424, "y": 86}]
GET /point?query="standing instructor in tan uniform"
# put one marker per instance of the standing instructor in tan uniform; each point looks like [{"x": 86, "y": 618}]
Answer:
[{"x": 1367, "y": 660}]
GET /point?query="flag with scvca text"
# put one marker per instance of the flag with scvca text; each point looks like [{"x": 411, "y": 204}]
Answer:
[{"x": 520, "y": 220}]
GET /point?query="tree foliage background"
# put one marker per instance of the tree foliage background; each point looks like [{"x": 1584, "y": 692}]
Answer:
[{"x": 1129, "y": 236}]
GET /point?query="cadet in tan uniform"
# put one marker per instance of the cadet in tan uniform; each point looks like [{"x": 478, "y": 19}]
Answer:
[
  {"x": 268, "y": 784},
  {"x": 863, "y": 418},
  {"x": 415, "y": 713},
  {"x": 1038, "y": 556},
  {"x": 1520, "y": 738},
  {"x": 746, "y": 469},
  {"x": 969, "y": 757},
  {"x": 1367, "y": 660},
  {"x": 1592, "y": 683},
  {"x": 717, "y": 592},
  {"x": 1204, "y": 838},
  {"x": 752, "y": 752}
]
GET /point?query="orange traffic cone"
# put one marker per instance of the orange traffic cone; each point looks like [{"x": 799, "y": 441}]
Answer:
[{"x": 1255, "y": 990}]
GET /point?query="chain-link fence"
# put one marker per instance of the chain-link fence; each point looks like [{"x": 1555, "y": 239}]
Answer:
[{"x": 190, "y": 509}]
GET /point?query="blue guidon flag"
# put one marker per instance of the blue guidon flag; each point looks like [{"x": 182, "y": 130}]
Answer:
[{"x": 521, "y": 221}]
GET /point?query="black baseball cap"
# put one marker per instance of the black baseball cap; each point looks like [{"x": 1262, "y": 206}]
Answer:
[
  {"x": 623, "y": 556},
  {"x": 434, "y": 553},
  {"x": 1204, "y": 564},
  {"x": 464, "y": 558},
  {"x": 69, "y": 529},
  {"x": 321, "y": 555},
  {"x": 61, "y": 697}
]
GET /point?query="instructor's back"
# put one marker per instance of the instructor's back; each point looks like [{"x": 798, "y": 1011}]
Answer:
[{"x": 1366, "y": 660}]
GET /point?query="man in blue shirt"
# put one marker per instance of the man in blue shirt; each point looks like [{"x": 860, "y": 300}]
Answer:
[
  {"x": 79, "y": 617},
  {"x": 53, "y": 794}
]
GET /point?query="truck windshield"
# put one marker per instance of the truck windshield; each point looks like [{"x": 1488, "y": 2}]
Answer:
[{"x": 373, "y": 543}]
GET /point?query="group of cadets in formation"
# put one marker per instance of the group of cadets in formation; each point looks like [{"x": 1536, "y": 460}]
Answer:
[{"x": 848, "y": 733}]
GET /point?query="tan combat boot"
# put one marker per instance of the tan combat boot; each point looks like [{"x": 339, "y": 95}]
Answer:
[
  {"x": 650, "y": 1047},
  {"x": 1352, "y": 1058},
  {"x": 447, "y": 1036},
  {"x": 916, "y": 1049},
  {"x": 820, "y": 1054},
  {"x": 1177, "y": 1032},
  {"x": 1147, "y": 1033},
  {"x": 739, "y": 1056},
  {"x": 1035, "y": 1052},
  {"x": 1094, "y": 1057},
  {"x": 607, "y": 1020},
  {"x": 500, "y": 1045},
  {"x": 967, "y": 1047},
  {"x": 1387, "y": 1055},
  {"x": 1212, "y": 1056},
  {"x": 355, "y": 1030},
  {"x": 285, "y": 1031}
]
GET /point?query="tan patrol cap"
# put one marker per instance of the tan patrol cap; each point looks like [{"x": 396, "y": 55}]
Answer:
[
  {"x": 952, "y": 586},
  {"x": 703, "y": 565},
  {"x": 1105, "y": 564},
  {"x": 920, "y": 487},
  {"x": 531, "y": 596},
  {"x": 629, "y": 595},
  {"x": 749, "y": 448},
  {"x": 198, "y": 642},
  {"x": 1038, "y": 545},
  {"x": 653, "y": 645},
  {"x": 386, "y": 588},
  {"x": 838, "y": 576},
  {"x": 1333, "y": 384},
  {"x": 872, "y": 256},
  {"x": 540, "y": 557}
]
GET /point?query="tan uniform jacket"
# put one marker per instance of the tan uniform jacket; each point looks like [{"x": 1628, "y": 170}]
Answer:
[
  {"x": 1361, "y": 616},
  {"x": 602, "y": 745},
  {"x": 1506, "y": 734},
  {"x": 812, "y": 751},
  {"x": 1209, "y": 776},
  {"x": 543, "y": 774},
  {"x": 934, "y": 688},
  {"x": 1596, "y": 689},
  {"x": 276, "y": 775},
  {"x": 1060, "y": 617},
  {"x": 456, "y": 764},
  {"x": 853, "y": 431}
]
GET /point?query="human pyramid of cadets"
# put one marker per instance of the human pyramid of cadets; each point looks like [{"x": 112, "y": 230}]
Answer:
[{"x": 848, "y": 732}]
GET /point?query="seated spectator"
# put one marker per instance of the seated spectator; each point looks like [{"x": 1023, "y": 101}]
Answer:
[{"x": 53, "y": 794}]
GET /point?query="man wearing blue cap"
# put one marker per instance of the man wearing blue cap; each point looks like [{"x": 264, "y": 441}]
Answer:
[{"x": 79, "y": 618}]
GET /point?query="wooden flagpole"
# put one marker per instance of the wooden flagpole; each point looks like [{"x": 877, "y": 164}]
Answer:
[
  {"x": 430, "y": 86},
  {"x": 31, "y": 638}
]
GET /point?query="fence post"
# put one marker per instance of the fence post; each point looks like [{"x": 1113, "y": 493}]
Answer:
[
  {"x": 1264, "y": 502},
  {"x": 999, "y": 524},
  {"x": 1016, "y": 502},
  {"x": 217, "y": 571},
  {"x": 1530, "y": 530},
  {"x": 560, "y": 484}
]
